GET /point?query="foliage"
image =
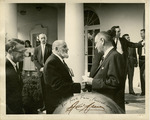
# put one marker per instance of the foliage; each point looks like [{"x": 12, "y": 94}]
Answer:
[{"x": 31, "y": 91}]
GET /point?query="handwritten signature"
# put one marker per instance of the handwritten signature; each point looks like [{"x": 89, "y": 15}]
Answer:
[{"x": 81, "y": 107}]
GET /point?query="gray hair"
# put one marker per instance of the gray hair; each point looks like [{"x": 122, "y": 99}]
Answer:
[
  {"x": 56, "y": 44},
  {"x": 11, "y": 44},
  {"x": 42, "y": 34},
  {"x": 108, "y": 38}
]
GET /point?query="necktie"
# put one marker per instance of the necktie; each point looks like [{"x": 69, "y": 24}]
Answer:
[
  {"x": 101, "y": 61},
  {"x": 69, "y": 69},
  {"x": 18, "y": 72}
]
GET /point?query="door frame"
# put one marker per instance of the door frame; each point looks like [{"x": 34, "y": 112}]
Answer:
[{"x": 86, "y": 28}]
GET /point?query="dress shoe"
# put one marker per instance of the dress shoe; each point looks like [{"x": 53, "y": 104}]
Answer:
[
  {"x": 142, "y": 94},
  {"x": 42, "y": 109}
]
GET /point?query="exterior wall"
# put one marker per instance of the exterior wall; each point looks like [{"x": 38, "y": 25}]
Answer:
[
  {"x": 61, "y": 23},
  {"x": 34, "y": 17},
  {"x": 128, "y": 16}
]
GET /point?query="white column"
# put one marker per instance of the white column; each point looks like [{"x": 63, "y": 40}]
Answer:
[
  {"x": 74, "y": 37},
  {"x": 11, "y": 20}
]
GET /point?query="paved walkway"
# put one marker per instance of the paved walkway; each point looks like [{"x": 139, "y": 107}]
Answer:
[{"x": 136, "y": 104}]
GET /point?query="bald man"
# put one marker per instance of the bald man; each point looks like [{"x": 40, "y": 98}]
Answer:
[{"x": 58, "y": 77}]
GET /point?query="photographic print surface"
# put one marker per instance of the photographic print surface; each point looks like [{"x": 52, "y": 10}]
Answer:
[{"x": 85, "y": 86}]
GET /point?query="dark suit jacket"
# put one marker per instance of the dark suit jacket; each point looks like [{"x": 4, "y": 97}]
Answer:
[
  {"x": 38, "y": 61},
  {"x": 108, "y": 79},
  {"x": 132, "y": 57},
  {"x": 95, "y": 62},
  {"x": 14, "y": 86},
  {"x": 59, "y": 83},
  {"x": 141, "y": 58},
  {"x": 125, "y": 44}
]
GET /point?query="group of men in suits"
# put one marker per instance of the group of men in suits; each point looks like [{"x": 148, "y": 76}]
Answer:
[
  {"x": 56, "y": 77},
  {"x": 132, "y": 62},
  {"x": 107, "y": 77}
]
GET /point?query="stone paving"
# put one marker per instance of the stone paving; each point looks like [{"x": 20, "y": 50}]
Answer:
[{"x": 136, "y": 104}]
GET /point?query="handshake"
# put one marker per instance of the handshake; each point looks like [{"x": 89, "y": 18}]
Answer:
[{"x": 86, "y": 84}]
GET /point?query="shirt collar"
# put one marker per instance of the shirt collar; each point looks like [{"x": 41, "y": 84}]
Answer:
[
  {"x": 58, "y": 57},
  {"x": 9, "y": 58},
  {"x": 43, "y": 45},
  {"x": 107, "y": 51}
]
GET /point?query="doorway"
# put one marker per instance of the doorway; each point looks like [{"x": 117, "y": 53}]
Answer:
[{"x": 91, "y": 28}]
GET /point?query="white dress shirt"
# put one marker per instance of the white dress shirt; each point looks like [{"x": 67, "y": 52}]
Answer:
[
  {"x": 43, "y": 49},
  {"x": 119, "y": 47},
  {"x": 143, "y": 49}
]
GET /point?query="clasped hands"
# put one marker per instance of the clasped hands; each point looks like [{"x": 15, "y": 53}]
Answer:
[{"x": 86, "y": 81}]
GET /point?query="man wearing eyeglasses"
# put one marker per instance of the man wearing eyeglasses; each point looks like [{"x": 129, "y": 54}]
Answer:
[{"x": 14, "y": 54}]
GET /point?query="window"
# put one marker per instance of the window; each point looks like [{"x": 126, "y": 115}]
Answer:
[{"x": 91, "y": 28}]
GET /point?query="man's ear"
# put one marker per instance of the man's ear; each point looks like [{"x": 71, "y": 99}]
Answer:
[
  {"x": 56, "y": 48},
  {"x": 103, "y": 41}
]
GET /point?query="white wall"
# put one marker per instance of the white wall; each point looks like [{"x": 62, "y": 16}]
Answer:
[
  {"x": 61, "y": 23},
  {"x": 128, "y": 16},
  {"x": 47, "y": 17}
]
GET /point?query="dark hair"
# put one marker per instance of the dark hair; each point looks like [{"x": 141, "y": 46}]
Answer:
[
  {"x": 113, "y": 28},
  {"x": 125, "y": 35},
  {"x": 27, "y": 41},
  {"x": 111, "y": 33},
  {"x": 143, "y": 30},
  {"x": 12, "y": 43}
]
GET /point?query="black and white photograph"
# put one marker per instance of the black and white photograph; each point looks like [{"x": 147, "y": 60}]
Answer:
[{"x": 74, "y": 60}]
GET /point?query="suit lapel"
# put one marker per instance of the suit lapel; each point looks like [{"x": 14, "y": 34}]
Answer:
[
  {"x": 103, "y": 61},
  {"x": 40, "y": 51},
  {"x": 45, "y": 52},
  {"x": 61, "y": 64},
  {"x": 10, "y": 65},
  {"x": 12, "y": 68}
]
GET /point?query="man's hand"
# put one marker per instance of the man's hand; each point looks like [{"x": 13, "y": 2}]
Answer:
[
  {"x": 82, "y": 85},
  {"x": 143, "y": 43},
  {"x": 87, "y": 80},
  {"x": 41, "y": 70}
]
